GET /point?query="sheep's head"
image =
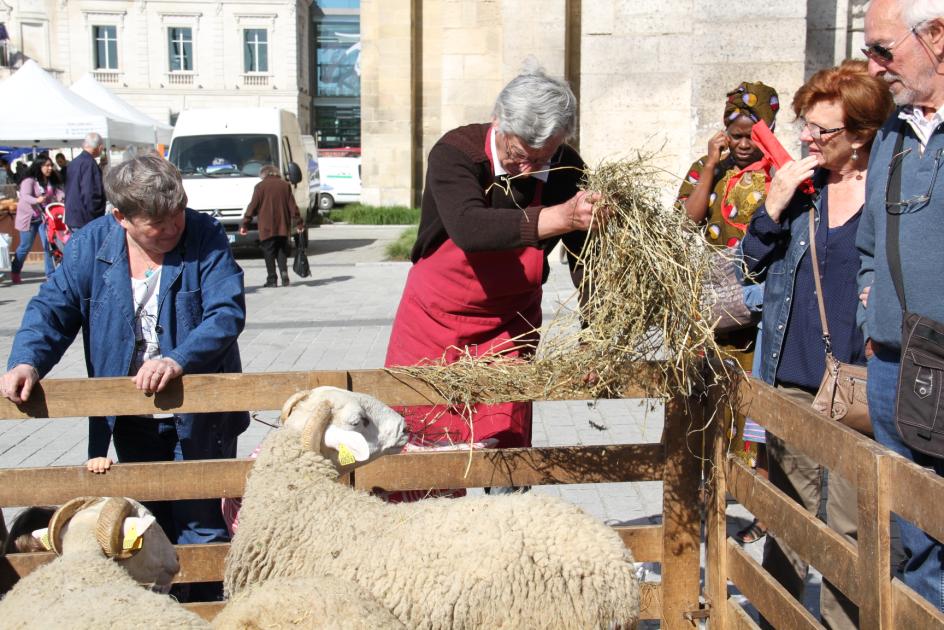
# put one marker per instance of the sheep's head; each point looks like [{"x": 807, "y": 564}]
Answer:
[
  {"x": 124, "y": 530},
  {"x": 346, "y": 427}
]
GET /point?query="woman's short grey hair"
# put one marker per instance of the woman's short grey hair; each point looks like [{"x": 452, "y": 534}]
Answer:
[
  {"x": 268, "y": 170},
  {"x": 147, "y": 185},
  {"x": 914, "y": 12},
  {"x": 536, "y": 108}
]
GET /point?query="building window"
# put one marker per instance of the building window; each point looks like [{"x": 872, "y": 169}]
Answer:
[
  {"x": 180, "y": 48},
  {"x": 337, "y": 56},
  {"x": 256, "y": 50},
  {"x": 106, "y": 47}
]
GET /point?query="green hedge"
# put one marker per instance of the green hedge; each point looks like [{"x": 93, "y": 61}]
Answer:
[
  {"x": 400, "y": 249},
  {"x": 376, "y": 215}
]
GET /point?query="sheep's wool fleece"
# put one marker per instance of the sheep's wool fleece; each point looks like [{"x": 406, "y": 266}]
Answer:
[
  {"x": 309, "y": 603},
  {"x": 84, "y": 590},
  {"x": 485, "y": 562}
]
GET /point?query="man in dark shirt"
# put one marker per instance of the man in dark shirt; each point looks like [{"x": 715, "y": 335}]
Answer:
[
  {"x": 85, "y": 197},
  {"x": 63, "y": 164}
]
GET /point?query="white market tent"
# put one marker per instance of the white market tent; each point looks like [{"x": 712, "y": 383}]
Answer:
[
  {"x": 93, "y": 91},
  {"x": 39, "y": 110}
]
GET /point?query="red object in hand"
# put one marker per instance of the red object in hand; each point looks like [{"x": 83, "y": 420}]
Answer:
[{"x": 764, "y": 138}]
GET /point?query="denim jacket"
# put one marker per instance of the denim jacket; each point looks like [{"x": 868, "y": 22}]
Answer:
[
  {"x": 776, "y": 266},
  {"x": 201, "y": 312}
]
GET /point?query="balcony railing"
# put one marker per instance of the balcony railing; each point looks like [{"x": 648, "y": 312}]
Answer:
[
  {"x": 106, "y": 76},
  {"x": 256, "y": 80},
  {"x": 180, "y": 78}
]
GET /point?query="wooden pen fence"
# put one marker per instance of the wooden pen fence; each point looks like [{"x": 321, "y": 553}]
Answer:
[
  {"x": 885, "y": 483},
  {"x": 674, "y": 543}
]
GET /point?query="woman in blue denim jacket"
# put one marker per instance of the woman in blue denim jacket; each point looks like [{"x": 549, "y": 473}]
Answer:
[
  {"x": 156, "y": 293},
  {"x": 840, "y": 110}
]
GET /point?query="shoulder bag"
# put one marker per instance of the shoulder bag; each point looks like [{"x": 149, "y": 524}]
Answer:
[
  {"x": 842, "y": 392},
  {"x": 918, "y": 413}
]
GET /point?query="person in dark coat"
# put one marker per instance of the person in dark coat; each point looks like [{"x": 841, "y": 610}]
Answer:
[
  {"x": 274, "y": 207},
  {"x": 85, "y": 196}
]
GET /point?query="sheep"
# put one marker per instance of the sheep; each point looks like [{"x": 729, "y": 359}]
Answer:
[
  {"x": 314, "y": 603},
  {"x": 493, "y": 561},
  {"x": 94, "y": 583}
]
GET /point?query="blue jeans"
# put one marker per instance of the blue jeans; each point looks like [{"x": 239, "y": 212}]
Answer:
[
  {"x": 924, "y": 568},
  {"x": 26, "y": 243}
]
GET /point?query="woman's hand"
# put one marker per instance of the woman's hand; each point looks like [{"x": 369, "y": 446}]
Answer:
[
  {"x": 785, "y": 183},
  {"x": 716, "y": 147},
  {"x": 17, "y": 383},
  {"x": 98, "y": 465},
  {"x": 155, "y": 374},
  {"x": 864, "y": 296},
  {"x": 577, "y": 213}
]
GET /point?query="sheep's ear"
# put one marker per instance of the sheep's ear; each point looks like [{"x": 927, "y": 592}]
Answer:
[
  {"x": 42, "y": 535},
  {"x": 349, "y": 445}
]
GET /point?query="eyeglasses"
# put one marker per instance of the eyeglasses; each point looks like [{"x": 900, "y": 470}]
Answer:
[
  {"x": 816, "y": 132},
  {"x": 918, "y": 201},
  {"x": 520, "y": 155},
  {"x": 883, "y": 54}
]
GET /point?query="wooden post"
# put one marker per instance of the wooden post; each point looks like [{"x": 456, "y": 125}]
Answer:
[
  {"x": 874, "y": 539},
  {"x": 716, "y": 572},
  {"x": 681, "y": 513}
]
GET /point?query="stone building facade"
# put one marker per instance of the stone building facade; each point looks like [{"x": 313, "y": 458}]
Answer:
[
  {"x": 163, "y": 56},
  {"x": 650, "y": 75}
]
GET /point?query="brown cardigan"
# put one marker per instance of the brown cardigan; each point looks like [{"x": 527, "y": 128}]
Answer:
[
  {"x": 275, "y": 205},
  {"x": 456, "y": 206}
]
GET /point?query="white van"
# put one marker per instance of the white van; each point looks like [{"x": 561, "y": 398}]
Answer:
[
  {"x": 220, "y": 151},
  {"x": 314, "y": 174},
  {"x": 340, "y": 181}
]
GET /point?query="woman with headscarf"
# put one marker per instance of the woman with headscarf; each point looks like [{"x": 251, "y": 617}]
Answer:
[{"x": 722, "y": 190}]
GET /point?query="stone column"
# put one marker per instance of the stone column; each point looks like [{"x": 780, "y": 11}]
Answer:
[{"x": 387, "y": 102}]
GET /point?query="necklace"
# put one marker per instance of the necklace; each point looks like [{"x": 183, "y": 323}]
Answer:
[{"x": 151, "y": 268}]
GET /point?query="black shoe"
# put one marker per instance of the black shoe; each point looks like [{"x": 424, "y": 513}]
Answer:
[
  {"x": 286, "y": 282},
  {"x": 269, "y": 284}
]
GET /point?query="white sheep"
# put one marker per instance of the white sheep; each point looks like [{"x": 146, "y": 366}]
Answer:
[
  {"x": 313, "y": 603},
  {"x": 96, "y": 581},
  {"x": 485, "y": 562}
]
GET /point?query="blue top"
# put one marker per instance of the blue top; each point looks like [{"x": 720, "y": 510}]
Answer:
[
  {"x": 792, "y": 346},
  {"x": 201, "y": 311},
  {"x": 85, "y": 197},
  {"x": 921, "y": 234}
]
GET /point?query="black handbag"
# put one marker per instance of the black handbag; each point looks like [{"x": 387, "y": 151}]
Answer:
[
  {"x": 918, "y": 413},
  {"x": 300, "y": 264}
]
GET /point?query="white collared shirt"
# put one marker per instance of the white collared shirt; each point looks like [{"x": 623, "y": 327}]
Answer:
[
  {"x": 923, "y": 127},
  {"x": 499, "y": 170}
]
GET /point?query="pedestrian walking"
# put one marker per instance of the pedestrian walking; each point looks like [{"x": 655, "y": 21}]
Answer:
[{"x": 276, "y": 213}]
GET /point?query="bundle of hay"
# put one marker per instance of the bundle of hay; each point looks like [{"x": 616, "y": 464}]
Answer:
[{"x": 646, "y": 273}]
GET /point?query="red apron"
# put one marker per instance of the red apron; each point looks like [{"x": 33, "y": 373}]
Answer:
[{"x": 456, "y": 302}]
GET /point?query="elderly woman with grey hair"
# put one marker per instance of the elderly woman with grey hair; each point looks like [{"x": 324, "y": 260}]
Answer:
[
  {"x": 156, "y": 293},
  {"x": 499, "y": 196}
]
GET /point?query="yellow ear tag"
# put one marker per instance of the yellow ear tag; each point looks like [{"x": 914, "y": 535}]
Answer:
[
  {"x": 42, "y": 535},
  {"x": 345, "y": 456},
  {"x": 132, "y": 532}
]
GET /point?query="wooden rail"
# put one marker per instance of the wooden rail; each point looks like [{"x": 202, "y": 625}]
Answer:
[
  {"x": 885, "y": 483},
  {"x": 674, "y": 543}
]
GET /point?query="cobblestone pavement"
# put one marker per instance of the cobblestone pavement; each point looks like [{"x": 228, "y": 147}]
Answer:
[{"x": 340, "y": 318}]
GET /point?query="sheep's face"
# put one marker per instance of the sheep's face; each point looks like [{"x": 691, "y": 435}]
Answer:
[
  {"x": 153, "y": 564},
  {"x": 359, "y": 427}
]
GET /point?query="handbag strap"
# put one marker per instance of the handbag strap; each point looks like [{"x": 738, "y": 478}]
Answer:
[
  {"x": 893, "y": 220},
  {"x": 819, "y": 287}
]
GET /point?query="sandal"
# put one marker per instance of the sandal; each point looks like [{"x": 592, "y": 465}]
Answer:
[{"x": 752, "y": 533}]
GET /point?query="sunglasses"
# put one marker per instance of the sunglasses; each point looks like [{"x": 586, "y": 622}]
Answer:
[{"x": 883, "y": 54}]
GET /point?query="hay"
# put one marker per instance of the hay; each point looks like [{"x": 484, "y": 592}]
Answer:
[{"x": 644, "y": 274}]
